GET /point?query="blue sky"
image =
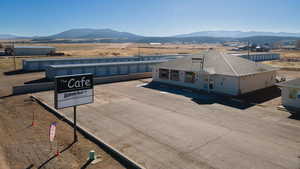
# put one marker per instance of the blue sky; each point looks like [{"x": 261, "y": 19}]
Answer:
[{"x": 148, "y": 17}]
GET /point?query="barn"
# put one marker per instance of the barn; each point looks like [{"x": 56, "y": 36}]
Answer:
[{"x": 217, "y": 72}]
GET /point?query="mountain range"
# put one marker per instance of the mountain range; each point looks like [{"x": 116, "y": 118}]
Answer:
[
  {"x": 8, "y": 36},
  {"x": 110, "y": 36},
  {"x": 238, "y": 34},
  {"x": 92, "y": 34},
  {"x": 87, "y": 33}
]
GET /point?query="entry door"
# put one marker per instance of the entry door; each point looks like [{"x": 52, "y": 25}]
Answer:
[{"x": 211, "y": 84}]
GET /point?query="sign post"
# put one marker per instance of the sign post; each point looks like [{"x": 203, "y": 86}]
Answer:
[
  {"x": 75, "y": 125},
  {"x": 72, "y": 91}
]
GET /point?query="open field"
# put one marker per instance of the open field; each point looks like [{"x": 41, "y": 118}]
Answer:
[
  {"x": 286, "y": 54},
  {"x": 110, "y": 50},
  {"x": 187, "y": 130},
  {"x": 124, "y": 49},
  {"x": 133, "y": 49},
  {"x": 162, "y": 127},
  {"x": 25, "y": 146}
]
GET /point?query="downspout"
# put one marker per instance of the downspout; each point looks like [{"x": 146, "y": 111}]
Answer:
[
  {"x": 239, "y": 88},
  {"x": 208, "y": 87}
]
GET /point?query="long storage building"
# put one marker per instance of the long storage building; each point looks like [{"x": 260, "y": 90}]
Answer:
[
  {"x": 42, "y": 64},
  {"x": 102, "y": 69},
  {"x": 30, "y": 50},
  {"x": 213, "y": 71},
  {"x": 258, "y": 57}
]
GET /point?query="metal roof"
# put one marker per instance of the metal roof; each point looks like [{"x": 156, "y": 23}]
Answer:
[
  {"x": 253, "y": 54},
  {"x": 218, "y": 63},
  {"x": 96, "y": 58},
  {"x": 105, "y": 64},
  {"x": 33, "y": 47},
  {"x": 291, "y": 83}
]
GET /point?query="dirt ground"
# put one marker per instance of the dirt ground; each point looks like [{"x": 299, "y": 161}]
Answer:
[{"x": 23, "y": 145}]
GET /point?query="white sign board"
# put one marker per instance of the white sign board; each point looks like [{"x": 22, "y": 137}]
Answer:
[{"x": 73, "y": 90}]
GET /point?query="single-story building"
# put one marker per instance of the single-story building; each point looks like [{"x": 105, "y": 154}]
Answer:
[
  {"x": 30, "y": 50},
  {"x": 258, "y": 57},
  {"x": 290, "y": 94},
  {"x": 217, "y": 72}
]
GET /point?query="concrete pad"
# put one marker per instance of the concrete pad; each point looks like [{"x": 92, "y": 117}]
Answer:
[{"x": 166, "y": 130}]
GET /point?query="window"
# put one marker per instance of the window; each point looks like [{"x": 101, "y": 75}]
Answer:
[
  {"x": 164, "y": 74},
  {"x": 175, "y": 75},
  {"x": 189, "y": 77},
  {"x": 211, "y": 84},
  {"x": 292, "y": 93}
]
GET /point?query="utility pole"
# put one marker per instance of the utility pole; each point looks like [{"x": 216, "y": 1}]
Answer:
[
  {"x": 75, "y": 125},
  {"x": 248, "y": 49},
  {"x": 14, "y": 55},
  {"x": 139, "y": 51}
]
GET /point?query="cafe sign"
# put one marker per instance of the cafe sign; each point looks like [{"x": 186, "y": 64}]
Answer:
[{"x": 73, "y": 90}]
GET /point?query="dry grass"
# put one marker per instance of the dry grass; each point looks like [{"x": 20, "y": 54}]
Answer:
[
  {"x": 110, "y": 50},
  {"x": 125, "y": 49},
  {"x": 289, "y": 53},
  {"x": 286, "y": 54},
  {"x": 132, "y": 49},
  {"x": 283, "y": 64}
]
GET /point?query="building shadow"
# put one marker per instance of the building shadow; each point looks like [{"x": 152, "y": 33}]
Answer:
[
  {"x": 295, "y": 116},
  {"x": 261, "y": 96},
  {"x": 42, "y": 80},
  {"x": 203, "y": 97},
  {"x": 18, "y": 71}
]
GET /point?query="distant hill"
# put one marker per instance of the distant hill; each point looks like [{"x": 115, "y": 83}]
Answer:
[
  {"x": 237, "y": 34},
  {"x": 92, "y": 34},
  {"x": 113, "y": 36},
  {"x": 7, "y": 36}
]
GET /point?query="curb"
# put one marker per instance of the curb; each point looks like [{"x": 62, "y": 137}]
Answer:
[{"x": 126, "y": 161}]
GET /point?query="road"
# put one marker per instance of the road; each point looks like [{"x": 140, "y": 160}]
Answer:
[{"x": 172, "y": 130}]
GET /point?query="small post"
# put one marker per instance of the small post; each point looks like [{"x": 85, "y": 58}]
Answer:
[
  {"x": 248, "y": 49},
  {"x": 92, "y": 155},
  {"x": 14, "y": 56},
  {"x": 33, "y": 119},
  {"x": 75, "y": 126}
]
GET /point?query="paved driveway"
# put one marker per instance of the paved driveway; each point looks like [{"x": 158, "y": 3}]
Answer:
[{"x": 163, "y": 130}]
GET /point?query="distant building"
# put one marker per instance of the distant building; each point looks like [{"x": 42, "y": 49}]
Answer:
[
  {"x": 213, "y": 71},
  {"x": 290, "y": 94},
  {"x": 30, "y": 50},
  {"x": 153, "y": 43},
  {"x": 253, "y": 48},
  {"x": 257, "y": 57}
]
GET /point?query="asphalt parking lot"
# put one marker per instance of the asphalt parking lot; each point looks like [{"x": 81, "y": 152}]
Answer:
[{"x": 160, "y": 127}]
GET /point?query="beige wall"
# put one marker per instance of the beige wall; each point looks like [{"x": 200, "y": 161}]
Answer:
[
  {"x": 258, "y": 81},
  {"x": 287, "y": 101},
  {"x": 222, "y": 84},
  {"x": 230, "y": 85}
]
